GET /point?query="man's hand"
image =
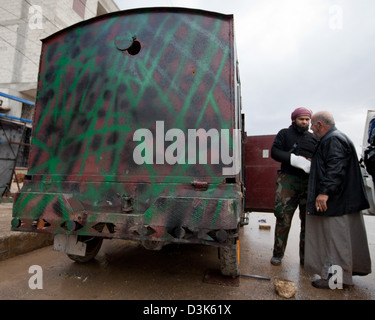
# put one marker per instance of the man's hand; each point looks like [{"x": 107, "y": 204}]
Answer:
[
  {"x": 300, "y": 162},
  {"x": 321, "y": 203}
]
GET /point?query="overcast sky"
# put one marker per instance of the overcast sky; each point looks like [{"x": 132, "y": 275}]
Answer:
[{"x": 318, "y": 54}]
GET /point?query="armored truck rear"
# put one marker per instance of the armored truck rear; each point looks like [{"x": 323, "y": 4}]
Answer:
[{"x": 137, "y": 135}]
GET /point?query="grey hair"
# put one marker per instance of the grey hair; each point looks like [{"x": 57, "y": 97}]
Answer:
[{"x": 325, "y": 117}]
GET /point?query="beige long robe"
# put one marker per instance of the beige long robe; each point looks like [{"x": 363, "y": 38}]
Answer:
[{"x": 337, "y": 241}]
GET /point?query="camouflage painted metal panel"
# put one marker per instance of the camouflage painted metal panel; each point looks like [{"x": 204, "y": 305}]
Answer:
[{"x": 101, "y": 81}]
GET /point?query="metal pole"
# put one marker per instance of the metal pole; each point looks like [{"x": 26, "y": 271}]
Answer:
[
  {"x": 30, "y": 103},
  {"x": 15, "y": 118}
]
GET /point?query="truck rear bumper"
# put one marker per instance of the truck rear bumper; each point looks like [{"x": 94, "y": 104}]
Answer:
[{"x": 212, "y": 221}]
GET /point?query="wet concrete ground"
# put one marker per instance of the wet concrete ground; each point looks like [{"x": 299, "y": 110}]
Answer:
[
  {"x": 256, "y": 253},
  {"x": 123, "y": 270}
]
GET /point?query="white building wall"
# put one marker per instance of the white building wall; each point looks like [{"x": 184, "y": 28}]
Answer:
[{"x": 23, "y": 23}]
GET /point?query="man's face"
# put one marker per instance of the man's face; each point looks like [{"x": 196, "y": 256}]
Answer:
[
  {"x": 303, "y": 121},
  {"x": 316, "y": 128}
]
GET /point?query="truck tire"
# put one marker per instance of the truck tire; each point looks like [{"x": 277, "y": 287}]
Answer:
[
  {"x": 229, "y": 264},
  {"x": 93, "y": 245}
]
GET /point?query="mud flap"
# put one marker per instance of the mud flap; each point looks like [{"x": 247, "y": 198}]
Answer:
[{"x": 69, "y": 244}]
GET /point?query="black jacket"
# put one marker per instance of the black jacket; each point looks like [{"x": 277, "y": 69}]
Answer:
[
  {"x": 335, "y": 172},
  {"x": 292, "y": 140}
]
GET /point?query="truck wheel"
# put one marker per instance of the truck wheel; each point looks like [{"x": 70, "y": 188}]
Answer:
[
  {"x": 229, "y": 264},
  {"x": 93, "y": 245}
]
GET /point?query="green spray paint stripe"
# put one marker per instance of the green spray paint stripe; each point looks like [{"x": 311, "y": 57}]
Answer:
[
  {"x": 46, "y": 86},
  {"x": 185, "y": 50},
  {"x": 148, "y": 75},
  {"x": 210, "y": 95},
  {"x": 21, "y": 203},
  {"x": 52, "y": 161},
  {"x": 208, "y": 56},
  {"x": 217, "y": 212},
  {"x": 156, "y": 38},
  {"x": 89, "y": 67},
  {"x": 200, "y": 211}
]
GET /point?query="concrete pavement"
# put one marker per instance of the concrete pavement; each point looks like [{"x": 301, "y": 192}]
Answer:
[{"x": 256, "y": 251}]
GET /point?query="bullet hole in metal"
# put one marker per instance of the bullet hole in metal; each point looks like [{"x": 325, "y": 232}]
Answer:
[
  {"x": 132, "y": 46},
  {"x": 135, "y": 48}
]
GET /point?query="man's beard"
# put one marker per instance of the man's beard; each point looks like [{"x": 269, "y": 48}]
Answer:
[{"x": 300, "y": 129}]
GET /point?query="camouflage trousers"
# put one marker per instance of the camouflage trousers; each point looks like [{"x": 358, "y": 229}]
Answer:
[{"x": 291, "y": 192}]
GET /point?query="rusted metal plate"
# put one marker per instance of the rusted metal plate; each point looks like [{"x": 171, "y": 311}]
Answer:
[{"x": 261, "y": 173}]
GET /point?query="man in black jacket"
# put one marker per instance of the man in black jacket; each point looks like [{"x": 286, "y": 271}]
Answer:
[
  {"x": 336, "y": 237},
  {"x": 292, "y": 147}
]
